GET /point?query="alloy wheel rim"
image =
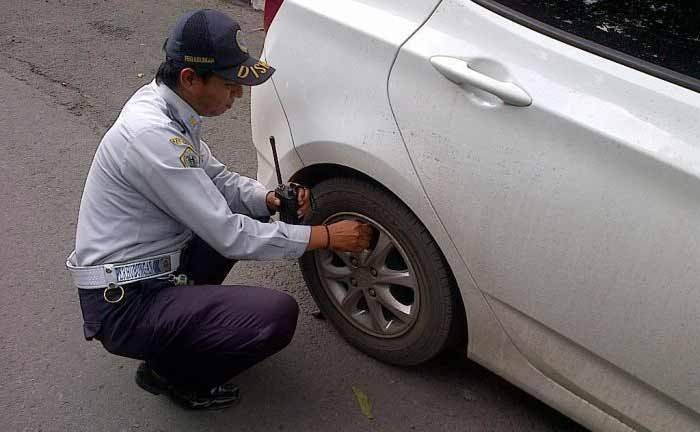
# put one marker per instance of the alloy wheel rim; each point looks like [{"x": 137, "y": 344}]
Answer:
[{"x": 375, "y": 290}]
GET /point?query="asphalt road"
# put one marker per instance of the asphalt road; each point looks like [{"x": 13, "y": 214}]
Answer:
[{"x": 67, "y": 67}]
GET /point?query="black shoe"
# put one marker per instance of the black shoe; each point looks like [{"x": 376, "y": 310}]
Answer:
[
  {"x": 150, "y": 381},
  {"x": 219, "y": 397}
]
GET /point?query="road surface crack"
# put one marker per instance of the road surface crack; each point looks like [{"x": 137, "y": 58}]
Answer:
[{"x": 62, "y": 92}]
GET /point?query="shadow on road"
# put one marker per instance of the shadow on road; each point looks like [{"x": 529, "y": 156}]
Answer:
[{"x": 480, "y": 383}]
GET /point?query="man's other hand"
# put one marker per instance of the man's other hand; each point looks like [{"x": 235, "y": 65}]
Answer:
[
  {"x": 273, "y": 203},
  {"x": 303, "y": 199}
]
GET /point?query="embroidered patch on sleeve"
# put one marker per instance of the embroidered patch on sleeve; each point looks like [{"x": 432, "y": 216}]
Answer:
[{"x": 189, "y": 158}]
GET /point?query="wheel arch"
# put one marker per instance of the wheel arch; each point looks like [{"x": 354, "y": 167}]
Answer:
[{"x": 312, "y": 175}]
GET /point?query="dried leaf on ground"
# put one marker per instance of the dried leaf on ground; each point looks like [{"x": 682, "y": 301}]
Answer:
[{"x": 363, "y": 400}]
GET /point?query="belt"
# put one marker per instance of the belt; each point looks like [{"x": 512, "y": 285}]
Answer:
[{"x": 113, "y": 275}]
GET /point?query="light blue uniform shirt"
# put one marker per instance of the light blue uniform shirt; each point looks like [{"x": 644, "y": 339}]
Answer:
[{"x": 153, "y": 183}]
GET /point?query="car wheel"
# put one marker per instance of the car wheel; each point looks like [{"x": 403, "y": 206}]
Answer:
[{"x": 394, "y": 301}]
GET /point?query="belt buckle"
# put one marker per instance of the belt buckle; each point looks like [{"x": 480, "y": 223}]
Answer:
[
  {"x": 179, "y": 280},
  {"x": 113, "y": 286}
]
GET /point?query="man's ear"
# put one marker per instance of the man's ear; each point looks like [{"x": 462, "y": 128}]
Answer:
[{"x": 188, "y": 78}]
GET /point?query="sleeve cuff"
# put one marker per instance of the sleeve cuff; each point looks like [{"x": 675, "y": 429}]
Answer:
[
  {"x": 259, "y": 206},
  {"x": 300, "y": 235}
]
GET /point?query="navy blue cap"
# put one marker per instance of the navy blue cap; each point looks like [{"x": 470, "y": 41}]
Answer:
[{"x": 206, "y": 39}]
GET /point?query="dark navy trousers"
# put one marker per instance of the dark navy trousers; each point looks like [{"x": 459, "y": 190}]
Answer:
[{"x": 196, "y": 336}]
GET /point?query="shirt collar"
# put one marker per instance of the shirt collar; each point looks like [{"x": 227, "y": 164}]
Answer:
[{"x": 181, "y": 111}]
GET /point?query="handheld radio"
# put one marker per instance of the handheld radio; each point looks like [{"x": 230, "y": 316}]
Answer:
[{"x": 285, "y": 193}]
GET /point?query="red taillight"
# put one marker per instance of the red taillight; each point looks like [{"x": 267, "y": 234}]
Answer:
[{"x": 271, "y": 8}]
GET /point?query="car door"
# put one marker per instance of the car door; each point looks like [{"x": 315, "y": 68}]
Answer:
[{"x": 566, "y": 172}]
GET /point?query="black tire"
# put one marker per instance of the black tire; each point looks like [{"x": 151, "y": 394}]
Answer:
[{"x": 436, "y": 314}]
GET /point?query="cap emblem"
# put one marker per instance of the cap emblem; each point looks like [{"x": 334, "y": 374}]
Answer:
[{"x": 259, "y": 68}]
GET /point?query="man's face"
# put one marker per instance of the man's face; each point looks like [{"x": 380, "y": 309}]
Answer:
[{"x": 214, "y": 96}]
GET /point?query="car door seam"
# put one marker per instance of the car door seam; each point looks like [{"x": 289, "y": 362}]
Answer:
[
  {"x": 410, "y": 157},
  {"x": 286, "y": 118}
]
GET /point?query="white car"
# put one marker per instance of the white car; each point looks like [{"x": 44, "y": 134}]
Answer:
[{"x": 532, "y": 169}]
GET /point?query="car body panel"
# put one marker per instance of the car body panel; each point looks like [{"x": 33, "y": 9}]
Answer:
[
  {"x": 573, "y": 214},
  {"x": 356, "y": 120},
  {"x": 328, "y": 103}
]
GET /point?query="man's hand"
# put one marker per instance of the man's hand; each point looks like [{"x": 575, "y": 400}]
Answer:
[
  {"x": 349, "y": 236},
  {"x": 303, "y": 197},
  {"x": 344, "y": 236},
  {"x": 273, "y": 203}
]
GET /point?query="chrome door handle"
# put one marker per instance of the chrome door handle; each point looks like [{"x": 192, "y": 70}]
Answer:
[{"x": 458, "y": 71}]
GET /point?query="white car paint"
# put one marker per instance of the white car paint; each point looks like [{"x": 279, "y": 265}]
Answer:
[
  {"x": 568, "y": 223},
  {"x": 576, "y": 217}
]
